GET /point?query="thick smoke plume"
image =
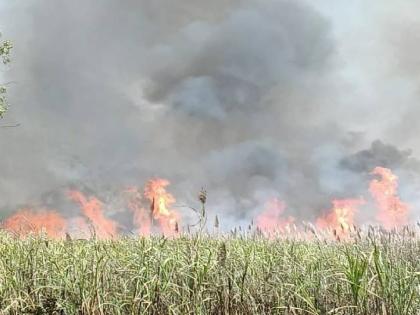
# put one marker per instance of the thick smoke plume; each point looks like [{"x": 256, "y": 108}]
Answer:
[
  {"x": 242, "y": 97},
  {"x": 381, "y": 154}
]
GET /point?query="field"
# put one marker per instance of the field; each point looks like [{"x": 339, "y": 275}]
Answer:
[{"x": 374, "y": 272}]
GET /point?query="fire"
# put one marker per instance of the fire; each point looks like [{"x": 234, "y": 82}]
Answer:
[
  {"x": 393, "y": 212},
  {"x": 271, "y": 220},
  {"x": 341, "y": 216},
  {"x": 26, "y": 221},
  {"x": 158, "y": 217},
  {"x": 152, "y": 209},
  {"x": 92, "y": 209},
  {"x": 142, "y": 219},
  {"x": 161, "y": 202}
]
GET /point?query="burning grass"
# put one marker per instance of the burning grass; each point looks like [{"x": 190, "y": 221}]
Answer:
[
  {"x": 152, "y": 211},
  {"x": 374, "y": 272},
  {"x": 278, "y": 266}
]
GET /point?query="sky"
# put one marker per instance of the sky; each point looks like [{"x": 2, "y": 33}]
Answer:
[{"x": 250, "y": 99}]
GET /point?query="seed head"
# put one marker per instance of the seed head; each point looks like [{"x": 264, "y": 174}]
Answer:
[
  {"x": 216, "y": 222},
  {"x": 202, "y": 196},
  {"x": 221, "y": 256}
]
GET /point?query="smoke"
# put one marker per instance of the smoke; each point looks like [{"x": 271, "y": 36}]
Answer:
[
  {"x": 381, "y": 154},
  {"x": 242, "y": 97},
  {"x": 400, "y": 161}
]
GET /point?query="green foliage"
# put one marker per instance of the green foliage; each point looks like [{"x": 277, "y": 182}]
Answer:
[
  {"x": 3, "y": 102},
  {"x": 199, "y": 274},
  {"x": 5, "y": 48},
  {"x": 355, "y": 270}
]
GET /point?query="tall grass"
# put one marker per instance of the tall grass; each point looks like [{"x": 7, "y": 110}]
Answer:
[{"x": 378, "y": 273}]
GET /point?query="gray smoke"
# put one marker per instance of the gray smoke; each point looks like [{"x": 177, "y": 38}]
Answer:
[
  {"x": 401, "y": 162},
  {"x": 241, "y": 97},
  {"x": 380, "y": 154}
]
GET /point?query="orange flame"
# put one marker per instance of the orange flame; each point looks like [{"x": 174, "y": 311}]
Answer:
[
  {"x": 92, "y": 209},
  {"x": 26, "y": 221},
  {"x": 161, "y": 203},
  {"x": 271, "y": 220},
  {"x": 141, "y": 217},
  {"x": 341, "y": 216},
  {"x": 161, "y": 217},
  {"x": 393, "y": 212}
]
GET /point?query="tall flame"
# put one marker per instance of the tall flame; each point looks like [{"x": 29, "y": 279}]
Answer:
[
  {"x": 161, "y": 203},
  {"x": 26, "y": 221},
  {"x": 153, "y": 212},
  {"x": 392, "y": 211},
  {"x": 92, "y": 209},
  {"x": 271, "y": 220},
  {"x": 142, "y": 218},
  {"x": 341, "y": 217}
]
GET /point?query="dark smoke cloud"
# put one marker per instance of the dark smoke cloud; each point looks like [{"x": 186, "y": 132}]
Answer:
[
  {"x": 237, "y": 96},
  {"x": 380, "y": 154},
  {"x": 401, "y": 162}
]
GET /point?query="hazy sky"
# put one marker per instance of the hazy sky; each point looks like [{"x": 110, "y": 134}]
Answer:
[{"x": 251, "y": 99}]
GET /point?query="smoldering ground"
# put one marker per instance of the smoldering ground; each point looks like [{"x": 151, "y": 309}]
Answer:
[{"x": 244, "y": 98}]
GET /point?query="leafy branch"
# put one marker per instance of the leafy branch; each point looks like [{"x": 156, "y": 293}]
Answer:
[{"x": 5, "y": 48}]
